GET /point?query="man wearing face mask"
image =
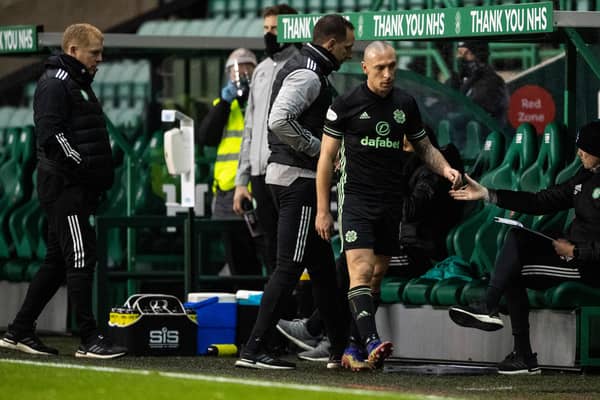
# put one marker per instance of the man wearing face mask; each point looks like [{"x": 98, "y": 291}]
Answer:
[
  {"x": 479, "y": 81},
  {"x": 300, "y": 97},
  {"x": 255, "y": 147},
  {"x": 223, "y": 126}
]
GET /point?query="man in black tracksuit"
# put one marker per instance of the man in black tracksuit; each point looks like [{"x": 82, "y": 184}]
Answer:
[
  {"x": 300, "y": 98},
  {"x": 75, "y": 168},
  {"x": 528, "y": 260}
]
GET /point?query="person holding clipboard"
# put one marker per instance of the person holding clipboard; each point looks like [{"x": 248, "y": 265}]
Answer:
[{"x": 528, "y": 260}]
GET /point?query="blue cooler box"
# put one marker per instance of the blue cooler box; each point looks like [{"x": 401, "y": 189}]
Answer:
[
  {"x": 216, "y": 314},
  {"x": 248, "y": 302}
]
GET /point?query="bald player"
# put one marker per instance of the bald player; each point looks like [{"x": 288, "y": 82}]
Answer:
[{"x": 366, "y": 126}]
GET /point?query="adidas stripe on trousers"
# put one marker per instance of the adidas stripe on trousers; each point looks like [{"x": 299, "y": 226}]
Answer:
[
  {"x": 528, "y": 261},
  {"x": 299, "y": 247},
  {"x": 70, "y": 256}
]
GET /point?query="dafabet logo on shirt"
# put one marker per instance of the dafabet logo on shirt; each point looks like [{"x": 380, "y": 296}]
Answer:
[{"x": 382, "y": 128}]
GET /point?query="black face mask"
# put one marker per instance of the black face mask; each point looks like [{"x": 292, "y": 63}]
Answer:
[
  {"x": 466, "y": 68},
  {"x": 271, "y": 45}
]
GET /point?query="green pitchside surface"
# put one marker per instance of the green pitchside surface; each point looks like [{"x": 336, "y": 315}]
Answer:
[{"x": 64, "y": 377}]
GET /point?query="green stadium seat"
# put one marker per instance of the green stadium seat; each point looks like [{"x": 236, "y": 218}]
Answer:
[
  {"x": 225, "y": 27},
  {"x": 475, "y": 238},
  {"x": 363, "y": 5},
  {"x": 194, "y": 28},
  {"x": 29, "y": 91},
  {"x": 148, "y": 28},
  {"x": 417, "y": 291},
  {"x": 13, "y": 178},
  {"x": 176, "y": 28},
  {"x": 443, "y": 132},
  {"x": 331, "y": 6},
  {"x": 392, "y": 288},
  {"x": 571, "y": 295},
  {"x": 544, "y": 170},
  {"x": 490, "y": 156},
  {"x": 141, "y": 82},
  {"x": 18, "y": 117},
  {"x": 314, "y": 6},
  {"x": 217, "y": 8},
  {"x": 14, "y": 270},
  {"x": 23, "y": 225},
  {"x": 252, "y": 9},
  {"x": 163, "y": 28},
  {"x": 236, "y": 9},
  {"x": 32, "y": 268},
  {"x": 124, "y": 88},
  {"x": 474, "y": 134},
  {"x": 6, "y": 115}
]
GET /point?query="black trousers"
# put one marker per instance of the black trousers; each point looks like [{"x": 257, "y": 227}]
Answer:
[
  {"x": 240, "y": 247},
  {"x": 71, "y": 255},
  {"x": 526, "y": 261},
  {"x": 267, "y": 220},
  {"x": 299, "y": 247}
]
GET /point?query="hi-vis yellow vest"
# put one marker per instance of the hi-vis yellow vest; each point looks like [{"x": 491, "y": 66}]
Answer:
[{"x": 229, "y": 149}]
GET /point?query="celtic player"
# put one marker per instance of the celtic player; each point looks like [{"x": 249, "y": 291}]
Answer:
[{"x": 367, "y": 126}]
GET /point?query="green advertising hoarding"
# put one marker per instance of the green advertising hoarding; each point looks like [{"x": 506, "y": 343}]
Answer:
[
  {"x": 513, "y": 19},
  {"x": 18, "y": 39}
]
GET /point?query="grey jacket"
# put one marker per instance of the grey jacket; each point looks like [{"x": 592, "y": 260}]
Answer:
[{"x": 255, "y": 147}]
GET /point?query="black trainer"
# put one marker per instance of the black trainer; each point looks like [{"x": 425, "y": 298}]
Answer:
[
  {"x": 100, "y": 347},
  {"x": 476, "y": 316},
  {"x": 27, "y": 343},
  {"x": 262, "y": 361},
  {"x": 515, "y": 364}
]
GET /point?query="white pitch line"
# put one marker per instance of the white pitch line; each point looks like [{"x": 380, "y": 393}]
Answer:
[
  {"x": 485, "y": 389},
  {"x": 220, "y": 379}
]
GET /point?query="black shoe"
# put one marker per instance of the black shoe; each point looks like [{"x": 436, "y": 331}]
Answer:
[
  {"x": 476, "y": 316},
  {"x": 100, "y": 347},
  {"x": 515, "y": 364},
  {"x": 27, "y": 343},
  {"x": 262, "y": 361}
]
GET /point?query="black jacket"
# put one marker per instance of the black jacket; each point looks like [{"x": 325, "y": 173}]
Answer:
[
  {"x": 72, "y": 141},
  {"x": 582, "y": 192},
  {"x": 428, "y": 211},
  {"x": 487, "y": 89}
]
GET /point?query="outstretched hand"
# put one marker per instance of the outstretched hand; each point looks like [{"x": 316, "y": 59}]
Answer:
[{"x": 472, "y": 190}]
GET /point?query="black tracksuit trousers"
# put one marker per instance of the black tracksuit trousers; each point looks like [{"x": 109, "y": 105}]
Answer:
[
  {"x": 299, "y": 247},
  {"x": 267, "y": 220},
  {"x": 526, "y": 261},
  {"x": 71, "y": 254}
]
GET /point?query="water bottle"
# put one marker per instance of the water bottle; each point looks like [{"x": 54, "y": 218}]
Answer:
[
  {"x": 251, "y": 218},
  {"x": 222, "y": 350}
]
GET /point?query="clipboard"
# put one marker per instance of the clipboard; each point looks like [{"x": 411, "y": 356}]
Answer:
[{"x": 519, "y": 224}]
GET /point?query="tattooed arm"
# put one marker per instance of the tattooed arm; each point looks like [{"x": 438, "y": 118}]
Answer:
[{"x": 436, "y": 161}]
